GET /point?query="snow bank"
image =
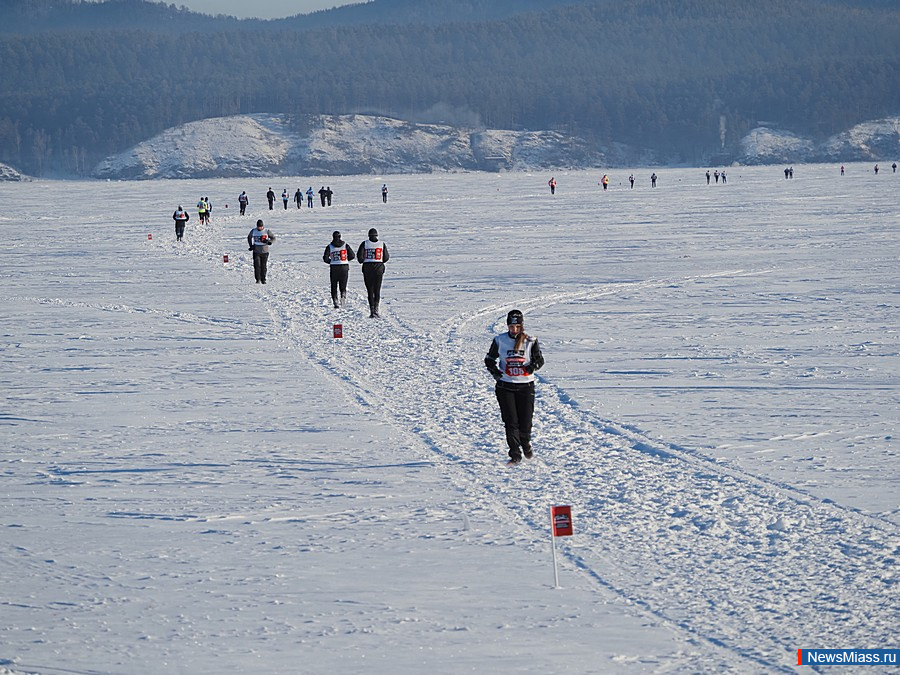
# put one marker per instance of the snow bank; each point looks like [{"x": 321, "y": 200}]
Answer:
[
  {"x": 876, "y": 140},
  {"x": 275, "y": 145},
  {"x": 7, "y": 173},
  {"x": 261, "y": 145}
]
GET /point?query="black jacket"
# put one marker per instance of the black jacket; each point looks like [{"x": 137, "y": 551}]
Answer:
[{"x": 326, "y": 257}]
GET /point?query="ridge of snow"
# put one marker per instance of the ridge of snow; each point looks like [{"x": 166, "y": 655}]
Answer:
[
  {"x": 265, "y": 144},
  {"x": 872, "y": 141},
  {"x": 7, "y": 173},
  {"x": 268, "y": 145}
]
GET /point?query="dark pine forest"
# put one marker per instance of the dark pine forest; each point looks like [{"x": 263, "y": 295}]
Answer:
[{"x": 687, "y": 79}]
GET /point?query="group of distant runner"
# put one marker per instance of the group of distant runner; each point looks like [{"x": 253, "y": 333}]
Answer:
[
  {"x": 604, "y": 181},
  {"x": 325, "y": 196},
  {"x": 372, "y": 253}
]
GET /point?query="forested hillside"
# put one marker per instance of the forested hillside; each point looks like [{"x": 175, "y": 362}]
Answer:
[{"x": 686, "y": 79}]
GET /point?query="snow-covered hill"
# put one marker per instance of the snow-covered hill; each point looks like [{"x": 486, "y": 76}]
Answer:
[
  {"x": 878, "y": 140},
  {"x": 277, "y": 145},
  {"x": 7, "y": 173},
  {"x": 270, "y": 145}
]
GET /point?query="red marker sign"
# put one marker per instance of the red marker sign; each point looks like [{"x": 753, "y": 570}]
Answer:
[
  {"x": 338, "y": 331},
  {"x": 225, "y": 258},
  {"x": 561, "y": 517},
  {"x": 560, "y": 526},
  {"x": 149, "y": 237}
]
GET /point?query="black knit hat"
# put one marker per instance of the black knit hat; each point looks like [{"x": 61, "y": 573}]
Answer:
[{"x": 515, "y": 318}]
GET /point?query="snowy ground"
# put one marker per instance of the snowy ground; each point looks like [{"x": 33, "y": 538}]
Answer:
[{"x": 197, "y": 479}]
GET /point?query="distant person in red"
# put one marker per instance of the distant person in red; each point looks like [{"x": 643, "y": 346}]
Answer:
[{"x": 552, "y": 184}]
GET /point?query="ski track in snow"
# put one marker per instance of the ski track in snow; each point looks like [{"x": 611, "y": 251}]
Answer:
[{"x": 739, "y": 562}]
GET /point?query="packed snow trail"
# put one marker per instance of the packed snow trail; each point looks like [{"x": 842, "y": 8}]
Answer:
[{"x": 750, "y": 566}]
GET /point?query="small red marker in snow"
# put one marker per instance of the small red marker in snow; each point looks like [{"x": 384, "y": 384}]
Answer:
[
  {"x": 149, "y": 237},
  {"x": 225, "y": 258},
  {"x": 561, "y": 520},
  {"x": 560, "y": 526}
]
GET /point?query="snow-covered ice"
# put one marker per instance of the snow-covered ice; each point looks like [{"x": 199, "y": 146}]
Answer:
[{"x": 198, "y": 478}]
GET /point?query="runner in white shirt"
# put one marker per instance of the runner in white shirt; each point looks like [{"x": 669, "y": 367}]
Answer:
[
  {"x": 338, "y": 255},
  {"x": 372, "y": 254},
  {"x": 512, "y": 360}
]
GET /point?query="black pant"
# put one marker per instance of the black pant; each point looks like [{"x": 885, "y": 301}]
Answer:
[
  {"x": 373, "y": 274},
  {"x": 179, "y": 228},
  {"x": 243, "y": 208},
  {"x": 339, "y": 275},
  {"x": 260, "y": 263},
  {"x": 517, "y": 409}
]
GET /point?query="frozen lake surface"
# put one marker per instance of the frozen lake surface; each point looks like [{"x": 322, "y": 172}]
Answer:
[{"x": 198, "y": 478}]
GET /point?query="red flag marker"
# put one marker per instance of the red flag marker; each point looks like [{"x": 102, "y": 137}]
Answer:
[
  {"x": 562, "y": 520},
  {"x": 560, "y": 526}
]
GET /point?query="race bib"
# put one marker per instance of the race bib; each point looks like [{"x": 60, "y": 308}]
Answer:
[{"x": 515, "y": 366}]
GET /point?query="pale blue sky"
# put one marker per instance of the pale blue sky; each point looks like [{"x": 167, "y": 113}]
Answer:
[{"x": 261, "y": 9}]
